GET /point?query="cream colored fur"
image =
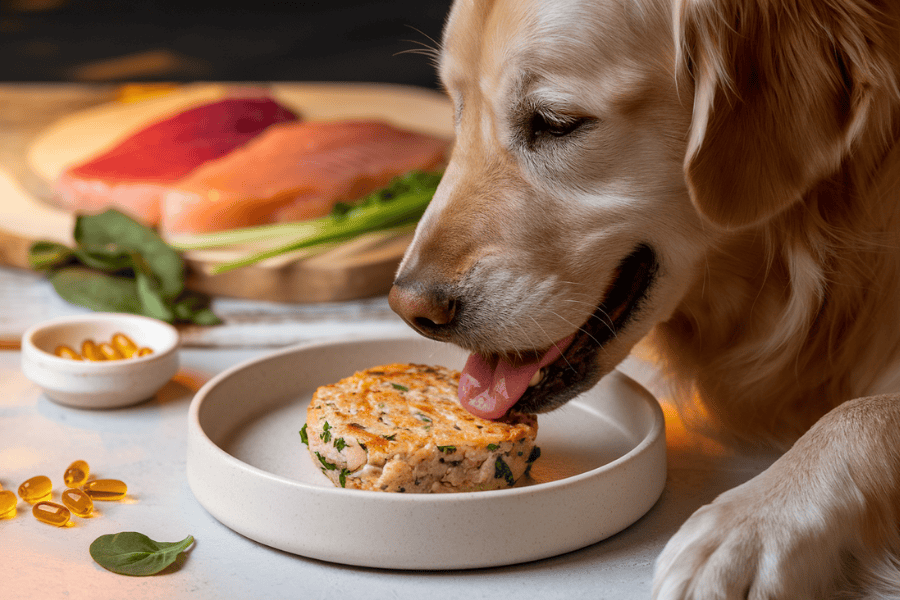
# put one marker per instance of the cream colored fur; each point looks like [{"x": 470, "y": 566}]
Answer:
[{"x": 755, "y": 145}]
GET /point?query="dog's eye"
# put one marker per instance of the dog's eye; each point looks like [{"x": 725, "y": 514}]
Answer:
[{"x": 556, "y": 126}]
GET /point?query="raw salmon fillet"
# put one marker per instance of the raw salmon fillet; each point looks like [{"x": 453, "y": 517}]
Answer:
[
  {"x": 134, "y": 175},
  {"x": 294, "y": 172}
]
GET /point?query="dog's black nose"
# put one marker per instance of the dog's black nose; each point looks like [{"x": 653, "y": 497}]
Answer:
[{"x": 428, "y": 310}]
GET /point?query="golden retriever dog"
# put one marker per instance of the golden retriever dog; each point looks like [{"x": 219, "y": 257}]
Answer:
[{"x": 717, "y": 178}]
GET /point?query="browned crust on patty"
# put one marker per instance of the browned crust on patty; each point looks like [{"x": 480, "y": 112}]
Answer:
[{"x": 400, "y": 427}]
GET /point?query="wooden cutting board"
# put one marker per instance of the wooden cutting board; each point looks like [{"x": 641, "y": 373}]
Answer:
[{"x": 362, "y": 268}]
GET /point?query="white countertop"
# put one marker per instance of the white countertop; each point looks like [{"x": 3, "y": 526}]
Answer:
[{"x": 145, "y": 447}]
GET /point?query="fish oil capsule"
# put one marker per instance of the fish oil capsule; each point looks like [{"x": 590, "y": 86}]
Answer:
[
  {"x": 91, "y": 351},
  {"x": 51, "y": 513},
  {"x": 76, "y": 474},
  {"x": 78, "y": 502},
  {"x": 8, "y": 503},
  {"x": 66, "y": 352},
  {"x": 124, "y": 344},
  {"x": 105, "y": 489},
  {"x": 144, "y": 351},
  {"x": 109, "y": 352},
  {"x": 36, "y": 489}
]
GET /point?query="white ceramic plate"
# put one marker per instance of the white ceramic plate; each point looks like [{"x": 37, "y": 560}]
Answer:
[{"x": 602, "y": 466}]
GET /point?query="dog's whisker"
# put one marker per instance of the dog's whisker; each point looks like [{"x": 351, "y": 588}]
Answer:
[
  {"x": 599, "y": 344},
  {"x": 553, "y": 343},
  {"x": 531, "y": 343},
  {"x": 436, "y": 45}
]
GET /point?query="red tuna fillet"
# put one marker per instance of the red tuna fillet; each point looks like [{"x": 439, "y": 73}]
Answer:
[
  {"x": 134, "y": 175},
  {"x": 294, "y": 172}
]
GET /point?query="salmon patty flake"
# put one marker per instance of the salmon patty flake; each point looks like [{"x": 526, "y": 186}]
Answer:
[{"x": 401, "y": 428}]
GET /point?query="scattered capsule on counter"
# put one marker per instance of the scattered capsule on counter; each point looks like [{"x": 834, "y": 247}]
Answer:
[
  {"x": 105, "y": 489},
  {"x": 51, "y": 513},
  {"x": 119, "y": 347},
  {"x": 66, "y": 352},
  {"x": 8, "y": 503},
  {"x": 78, "y": 502},
  {"x": 124, "y": 344},
  {"x": 76, "y": 474},
  {"x": 36, "y": 489}
]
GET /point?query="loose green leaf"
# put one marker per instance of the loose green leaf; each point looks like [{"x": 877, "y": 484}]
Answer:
[
  {"x": 113, "y": 229},
  {"x": 47, "y": 255},
  {"x": 402, "y": 388},
  {"x": 340, "y": 444},
  {"x": 193, "y": 307},
  {"x": 493, "y": 447},
  {"x": 152, "y": 302},
  {"x": 96, "y": 290},
  {"x": 120, "y": 265},
  {"x": 132, "y": 553},
  {"x": 111, "y": 259},
  {"x": 447, "y": 449}
]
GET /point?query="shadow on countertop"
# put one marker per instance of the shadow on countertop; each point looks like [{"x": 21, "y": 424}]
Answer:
[{"x": 172, "y": 40}]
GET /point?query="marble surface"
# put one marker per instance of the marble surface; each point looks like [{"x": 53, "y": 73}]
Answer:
[{"x": 145, "y": 447}]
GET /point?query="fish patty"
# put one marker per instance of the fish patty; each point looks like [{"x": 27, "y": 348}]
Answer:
[{"x": 401, "y": 428}]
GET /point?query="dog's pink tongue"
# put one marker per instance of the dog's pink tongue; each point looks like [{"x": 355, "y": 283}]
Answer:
[{"x": 490, "y": 386}]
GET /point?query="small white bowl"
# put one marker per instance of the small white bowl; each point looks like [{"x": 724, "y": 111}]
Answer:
[{"x": 100, "y": 384}]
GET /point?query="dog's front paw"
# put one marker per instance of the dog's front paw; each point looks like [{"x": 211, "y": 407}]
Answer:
[{"x": 753, "y": 543}]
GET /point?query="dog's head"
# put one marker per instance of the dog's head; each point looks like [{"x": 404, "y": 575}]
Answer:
[{"x": 595, "y": 164}]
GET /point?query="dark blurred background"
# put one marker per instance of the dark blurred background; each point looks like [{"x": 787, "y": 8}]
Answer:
[{"x": 172, "y": 40}]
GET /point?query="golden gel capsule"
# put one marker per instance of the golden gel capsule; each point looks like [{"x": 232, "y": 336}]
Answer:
[
  {"x": 8, "y": 503},
  {"x": 109, "y": 352},
  {"x": 66, "y": 352},
  {"x": 91, "y": 351},
  {"x": 105, "y": 489},
  {"x": 36, "y": 489},
  {"x": 51, "y": 513},
  {"x": 124, "y": 344},
  {"x": 78, "y": 502},
  {"x": 145, "y": 351},
  {"x": 76, "y": 474}
]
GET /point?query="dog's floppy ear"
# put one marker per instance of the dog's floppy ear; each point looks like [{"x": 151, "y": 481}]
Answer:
[{"x": 782, "y": 89}]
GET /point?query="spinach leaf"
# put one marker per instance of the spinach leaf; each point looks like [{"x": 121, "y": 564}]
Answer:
[
  {"x": 194, "y": 307},
  {"x": 342, "y": 478},
  {"x": 502, "y": 470},
  {"x": 120, "y": 265},
  {"x": 116, "y": 231},
  {"x": 303, "y": 434},
  {"x": 96, "y": 290},
  {"x": 46, "y": 255},
  {"x": 132, "y": 553},
  {"x": 325, "y": 463},
  {"x": 103, "y": 258},
  {"x": 150, "y": 292}
]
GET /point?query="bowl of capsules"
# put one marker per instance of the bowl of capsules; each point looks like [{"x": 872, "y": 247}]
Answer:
[{"x": 100, "y": 360}]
